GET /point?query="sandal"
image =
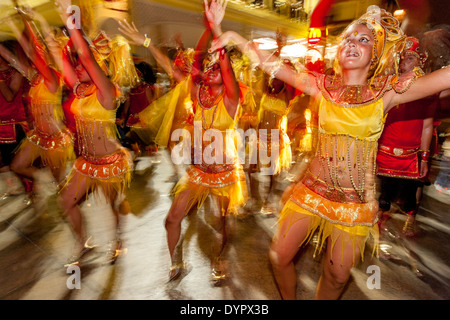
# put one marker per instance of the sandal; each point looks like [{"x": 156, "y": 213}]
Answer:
[
  {"x": 76, "y": 258},
  {"x": 218, "y": 272},
  {"x": 177, "y": 270},
  {"x": 267, "y": 210},
  {"x": 114, "y": 251}
]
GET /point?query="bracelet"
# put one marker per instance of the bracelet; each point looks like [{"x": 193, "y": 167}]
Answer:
[
  {"x": 75, "y": 87},
  {"x": 424, "y": 155},
  {"x": 147, "y": 41},
  {"x": 221, "y": 52}
]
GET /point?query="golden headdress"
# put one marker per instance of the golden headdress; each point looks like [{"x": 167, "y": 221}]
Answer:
[
  {"x": 388, "y": 40},
  {"x": 121, "y": 65},
  {"x": 113, "y": 56}
]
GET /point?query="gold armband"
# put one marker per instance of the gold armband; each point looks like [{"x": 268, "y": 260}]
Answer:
[{"x": 147, "y": 41}]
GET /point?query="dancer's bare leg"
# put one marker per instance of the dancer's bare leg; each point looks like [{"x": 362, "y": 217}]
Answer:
[
  {"x": 285, "y": 245},
  {"x": 21, "y": 163},
  {"x": 336, "y": 272},
  {"x": 72, "y": 195},
  {"x": 176, "y": 214}
]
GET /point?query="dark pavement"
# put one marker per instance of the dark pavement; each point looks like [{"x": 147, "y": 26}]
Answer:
[{"x": 35, "y": 245}]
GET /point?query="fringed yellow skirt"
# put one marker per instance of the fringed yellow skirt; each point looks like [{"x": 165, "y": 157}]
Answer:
[
  {"x": 110, "y": 173},
  {"x": 346, "y": 221},
  {"x": 280, "y": 153},
  {"x": 55, "y": 150},
  {"x": 218, "y": 180}
]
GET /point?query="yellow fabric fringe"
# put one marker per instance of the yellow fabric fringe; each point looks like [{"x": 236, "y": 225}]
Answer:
[
  {"x": 112, "y": 178},
  {"x": 235, "y": 190},
  {"x": 358, "y": 235},
  {"x": 57, "y": 156}
]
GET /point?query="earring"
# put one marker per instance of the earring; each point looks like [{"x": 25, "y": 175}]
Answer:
[{"x": 373, "y": 63}]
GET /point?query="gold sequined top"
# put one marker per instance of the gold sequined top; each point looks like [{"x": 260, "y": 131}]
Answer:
[{"x": 45, "y": 107}]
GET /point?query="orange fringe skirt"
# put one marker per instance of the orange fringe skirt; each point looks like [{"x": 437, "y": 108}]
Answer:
[
  {"x": 347, "y": 221},
  {"x": 108, "y": 173},
  {"x": 218, "y": 180},
  {"x": 55, "y": 150}
]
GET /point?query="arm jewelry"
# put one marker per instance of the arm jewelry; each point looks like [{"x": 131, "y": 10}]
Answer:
[
  {"x": 221, "y": 52},
  {"x": 147, "y": 41},
  {"x": 424, "y": 155}
]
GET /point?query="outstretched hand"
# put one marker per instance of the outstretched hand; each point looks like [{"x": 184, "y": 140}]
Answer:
[{"x": 131, "y": 32}]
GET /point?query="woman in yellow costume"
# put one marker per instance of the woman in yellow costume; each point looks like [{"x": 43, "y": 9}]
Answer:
[
  {"x": 273, "y": 148},
  {"x": 215, "y": 170},
  {"x": 49, "y": 140},
  {"x": 337, "y": 194},
  {"x": 104, "y": 164},
  {"x": 272, "y": 115},
  {"x": 214, "y": 95},
  {"x": 253, "y": 79},
  {"x": 174, "y": 109}
]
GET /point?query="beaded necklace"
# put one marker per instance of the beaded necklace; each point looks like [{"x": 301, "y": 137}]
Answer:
[{"x": 202, "y": 94}]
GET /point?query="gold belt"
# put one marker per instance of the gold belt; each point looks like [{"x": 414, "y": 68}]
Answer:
[
  {"x": 336, "y": 194},
  {"x": 398, "y": 151},
  {"x": 215, "y": 168}
]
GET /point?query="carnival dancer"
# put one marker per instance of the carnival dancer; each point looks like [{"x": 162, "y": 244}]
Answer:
[
  {"x": 215, "y": 170},
  {"x": 49, "y": 140},
  {"x": 272, "y": 117},
  {"x": 274, "y": 107},
  {"x": 99, "y": 71},
  {"x": 173, "y": 110},
  {"x": 247, "y": 123},
  {"x": 404, "y": 146},
  {"x": 337, "y": 194}
]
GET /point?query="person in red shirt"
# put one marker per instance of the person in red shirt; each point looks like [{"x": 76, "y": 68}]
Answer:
[
  {"x": 404, "y": 147},
  {"x": 13, "y": 118}
]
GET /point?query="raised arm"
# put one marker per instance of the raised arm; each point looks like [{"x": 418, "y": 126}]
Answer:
[
  {"x": 53, "y": 46},
  {"x": 268, "y": 63},
  {"x": 36, "y": 50},
  {"x": 214, "y": 13},
  {"x": 69, "y": 74},
  {"x": 427, "y": 85},
  {"x": 106, "y": 91},
  {"x": 137, "y": 38}
]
